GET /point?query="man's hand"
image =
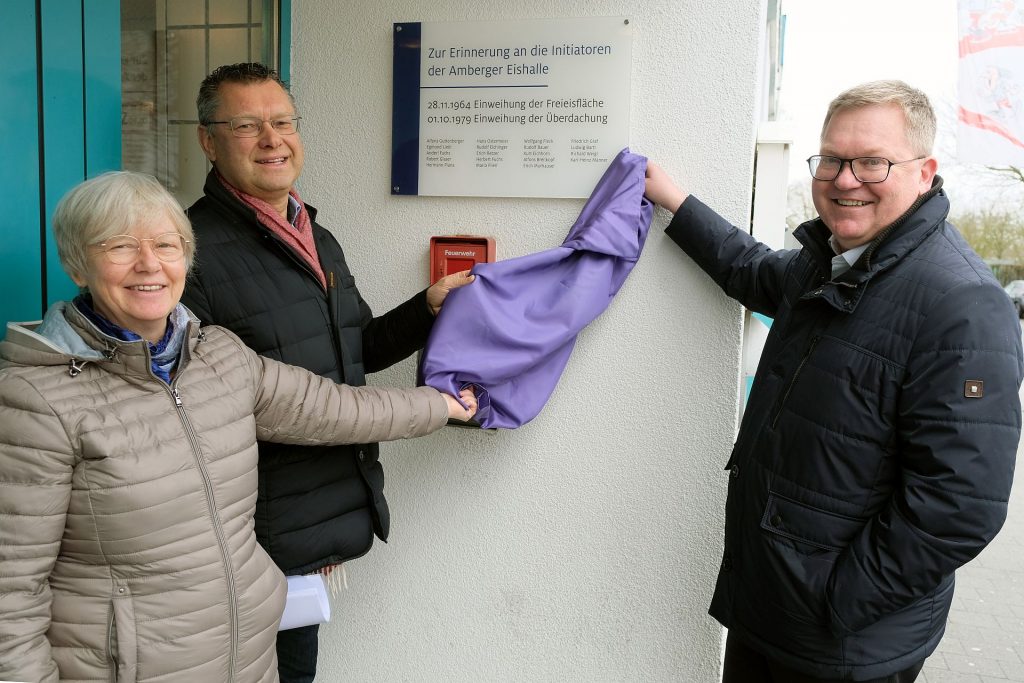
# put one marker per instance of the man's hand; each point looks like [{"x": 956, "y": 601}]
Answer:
[
  {"x": 661, "y": 190},
  {"x": 438, "y": 292}
]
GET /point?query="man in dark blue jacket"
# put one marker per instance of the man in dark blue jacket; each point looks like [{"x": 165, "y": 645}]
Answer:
[
  {"x": 877, "y": 448},
  {"x": 266, "y": 270}
]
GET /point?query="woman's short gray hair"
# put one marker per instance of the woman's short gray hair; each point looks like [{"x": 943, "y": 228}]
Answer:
[
  {"x": 916, "y": 108},
  {"x": 112, "y": 204}
]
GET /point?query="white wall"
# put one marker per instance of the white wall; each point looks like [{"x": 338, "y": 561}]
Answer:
[{"x": 584, "y": 545}]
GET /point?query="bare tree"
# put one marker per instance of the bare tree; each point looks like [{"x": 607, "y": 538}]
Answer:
[
  {"x": 799, "y": 204},
  {"x": 972, "y": 183},
  {"x": 996, "y": 234},
  {"x": 1013, "y": 172}
]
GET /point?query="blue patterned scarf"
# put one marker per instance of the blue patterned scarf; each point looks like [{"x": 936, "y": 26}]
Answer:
[{"x": 163, "y": 355}]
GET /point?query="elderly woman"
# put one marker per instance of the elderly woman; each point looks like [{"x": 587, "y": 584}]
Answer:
[{"x": 128, "y": 460}]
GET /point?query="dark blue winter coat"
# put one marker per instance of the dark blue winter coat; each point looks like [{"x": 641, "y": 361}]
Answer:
[{"x": 877, "y": 447}]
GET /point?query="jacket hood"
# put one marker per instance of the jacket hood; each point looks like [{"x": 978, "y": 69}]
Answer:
[{"x": 64, "y": 334}]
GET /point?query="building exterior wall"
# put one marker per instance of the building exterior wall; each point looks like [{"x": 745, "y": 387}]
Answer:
[{"x": 584, "y": 545}]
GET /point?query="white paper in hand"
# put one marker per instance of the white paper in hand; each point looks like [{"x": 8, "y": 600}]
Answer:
[{"x": 307, "y": 602}]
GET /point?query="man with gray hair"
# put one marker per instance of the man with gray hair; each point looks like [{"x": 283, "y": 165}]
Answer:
[
  {"x": 266, "y": 270},
  {"x": 878, "y": 443}
]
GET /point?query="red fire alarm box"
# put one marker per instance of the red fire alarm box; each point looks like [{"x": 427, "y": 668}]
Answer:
[{"x": 452, "y": 253}]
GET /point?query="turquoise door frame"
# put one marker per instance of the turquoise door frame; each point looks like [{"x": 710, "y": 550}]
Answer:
[
  {"x": 61, "y": 88},
  {"x": 61, "y": 123}
]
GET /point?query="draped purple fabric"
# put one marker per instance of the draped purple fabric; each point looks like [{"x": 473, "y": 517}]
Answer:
[{"x": 511, "y": 331}]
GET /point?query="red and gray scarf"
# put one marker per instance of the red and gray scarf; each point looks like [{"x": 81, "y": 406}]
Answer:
[{"x": 298, "y": 236}]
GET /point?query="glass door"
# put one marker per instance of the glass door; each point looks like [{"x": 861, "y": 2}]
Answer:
[{"x": 167, "y": 48}]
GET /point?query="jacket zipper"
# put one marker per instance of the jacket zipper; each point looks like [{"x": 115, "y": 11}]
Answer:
[
  {"x": 110, "y": 646},
  {"x": 329, "y": 275},
  {"x": 331, "y": 302},
  {"x": 796, "y": 375},
  {"x": 222, "y": 544},
  {"x": 301, "y": 262}
]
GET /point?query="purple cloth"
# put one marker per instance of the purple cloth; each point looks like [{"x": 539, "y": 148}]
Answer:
[{"x": 511, "y": 331}]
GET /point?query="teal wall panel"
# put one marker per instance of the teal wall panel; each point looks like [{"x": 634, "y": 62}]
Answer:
[
  {"x": 102, "y": 86},
  {"x": 63, "y": 146},
  {"x": 19, "y": 129},
  {"x": 285, "y": 41},
  {"x": 61, "y": 85},
  {"x": 61, "y": 89}
]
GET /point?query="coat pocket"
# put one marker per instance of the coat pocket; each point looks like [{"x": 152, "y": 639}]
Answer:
[
  {"x": 798, "y": 547},
  {"x": 123, "y": 640},
  {"x": 809, "y": 525}
]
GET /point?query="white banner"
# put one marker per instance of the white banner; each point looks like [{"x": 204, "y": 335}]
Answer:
[{"x": 990, "y": 129}]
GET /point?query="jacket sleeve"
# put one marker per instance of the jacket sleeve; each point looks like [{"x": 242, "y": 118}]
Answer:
[
  {"x": 395, "y": 335},
  {"x": 296, "y": 406},
  {"x": 36, "y": 465},
  {"x": 744, "y": 268},
  {"x": 956, "y": 446}
]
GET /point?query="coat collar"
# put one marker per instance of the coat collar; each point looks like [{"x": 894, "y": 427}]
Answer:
[
  {"x": 214, "y": 189},
  {"x": 66, "y": 336},
  {"x": 891, "y": 245}
]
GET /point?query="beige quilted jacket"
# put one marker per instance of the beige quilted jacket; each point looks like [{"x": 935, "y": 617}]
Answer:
[{"x": 127, "y": 550}]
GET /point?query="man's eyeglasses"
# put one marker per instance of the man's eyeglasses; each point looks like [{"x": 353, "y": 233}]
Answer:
[
  {"x": 250, "y": 126},
  {"x": 124, "y": 249},
  {"x": 865, "y": 169}
]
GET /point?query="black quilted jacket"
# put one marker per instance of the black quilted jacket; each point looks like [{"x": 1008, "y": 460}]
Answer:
[
  {"x": 877, "y": 448},
  {"x": 316, "y": 506}
]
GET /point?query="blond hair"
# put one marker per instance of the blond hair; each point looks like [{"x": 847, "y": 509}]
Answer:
[{"x": 917, "y": 109}]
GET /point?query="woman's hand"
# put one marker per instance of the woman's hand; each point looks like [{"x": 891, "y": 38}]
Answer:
[{"x": 455, "y": 409}]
